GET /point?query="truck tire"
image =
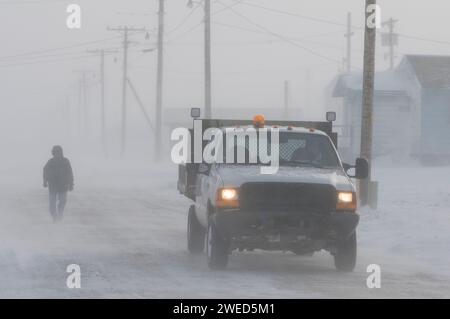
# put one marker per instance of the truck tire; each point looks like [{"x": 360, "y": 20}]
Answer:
[
  {"x": 345, "y": 257},
  {"x": 217, "y": 249},
  {"x": 195, "y": 233}
]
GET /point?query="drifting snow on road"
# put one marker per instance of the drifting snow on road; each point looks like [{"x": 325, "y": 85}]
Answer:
[{"x": 126, "y": 228}]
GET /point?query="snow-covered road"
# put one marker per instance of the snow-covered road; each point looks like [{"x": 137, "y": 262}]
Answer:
[{"x": 125, "y": 227}]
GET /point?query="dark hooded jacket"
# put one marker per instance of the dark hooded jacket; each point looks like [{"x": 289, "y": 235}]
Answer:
[{"x": 58, "y": 174}]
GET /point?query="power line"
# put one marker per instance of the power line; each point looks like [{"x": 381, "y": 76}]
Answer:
[
  {"x": 200, "y": 23},
  {"x": 30, "y": 2},
  {"x": 305, "y": 38},
  {"x": 293, "y": 14},
  {"x": 27, "y": 58},
  {"x": 184, "y": 20},
  {"x": 57, "y": 49},
  {"x": 181, "y": 35},
  {"x": 321, "y": 20},
  {"x": 37, "y": 59},
  {"x": 62, "y": 54},
  {"x": 45, "y": 61},
  {"x": 284, "y": 38},
  {"x": 226, "y": 7}
]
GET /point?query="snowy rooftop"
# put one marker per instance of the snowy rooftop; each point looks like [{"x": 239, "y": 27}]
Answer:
[
  {"x": 384, "y": 81},
  {"x": 432, "y": 71}
]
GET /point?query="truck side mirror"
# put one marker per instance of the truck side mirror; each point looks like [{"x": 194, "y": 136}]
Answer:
[
  {"x": 361, "y": 168},
  {"x": 204, "y": 169}
]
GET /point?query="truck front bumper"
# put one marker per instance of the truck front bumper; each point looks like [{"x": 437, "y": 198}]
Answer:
[{"x": 237, "y": 224}]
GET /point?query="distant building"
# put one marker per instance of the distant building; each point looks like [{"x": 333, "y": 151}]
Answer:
[
  {"x": 429, "y": 78},
  {"x": 411, "y": 109}
]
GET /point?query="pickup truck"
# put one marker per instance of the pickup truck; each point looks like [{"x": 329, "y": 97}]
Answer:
[{"x": 308, "y": 205}]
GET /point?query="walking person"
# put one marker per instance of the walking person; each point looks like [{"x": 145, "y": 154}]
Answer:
[{"x": 58, "y": 177}]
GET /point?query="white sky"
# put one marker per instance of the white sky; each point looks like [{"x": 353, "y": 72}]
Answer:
[{"x": 249, "y": 68}]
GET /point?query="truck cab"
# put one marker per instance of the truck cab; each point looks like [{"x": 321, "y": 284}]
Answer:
[{"x": 308, "y": 204}]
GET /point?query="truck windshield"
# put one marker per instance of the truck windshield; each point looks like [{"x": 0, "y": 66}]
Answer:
[
  {"x": 307, "y": 149},
  {"x": 295, "y": 149}
]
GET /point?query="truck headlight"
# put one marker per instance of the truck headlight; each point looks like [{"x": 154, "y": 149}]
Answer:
[
  {"x": 227, "y": 197},
  {"x": 346, "y": 201}
]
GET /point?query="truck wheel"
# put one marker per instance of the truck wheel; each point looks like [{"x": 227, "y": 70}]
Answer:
[
  {"x": 217, "y": 249},
  {"x": 345, "y": 257},
  {"x": 195, "y": 233}
]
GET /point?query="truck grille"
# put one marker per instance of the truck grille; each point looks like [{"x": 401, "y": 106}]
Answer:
[{"x": 287, "y": 197}]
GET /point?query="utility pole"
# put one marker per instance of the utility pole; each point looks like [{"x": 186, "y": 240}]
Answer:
[
  {"x": 66, "y": 116},
  {"x": 348, "y": 35},
  {"x": 208, "y": 95},
  {"x": 85, "y": 103},
  {"x": 83, "y": 116},
  {"x": 390, "y": 39},
  {"x": 159, "y": 81},
  {"x": 124, "y": 89},
  {"x": 141, "y": 105},
  {"x": 125, "y": 30},
  {"x": 308, "y": 87},
  {"x": 367, "y": 102},
  {"x": 79, "y": 112},
  {"x": 102, "y": 53},
  {"x": 286, "y": 99}
]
